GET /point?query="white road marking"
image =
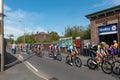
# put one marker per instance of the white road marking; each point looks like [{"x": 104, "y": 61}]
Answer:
[
  {"x": 38, "y": 74},
  {"x": 20, "y": 57},
  {"x": 31, "y": 66}
]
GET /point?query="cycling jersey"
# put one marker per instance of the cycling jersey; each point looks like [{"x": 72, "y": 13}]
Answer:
[
  {"x": 38, "y": 47},
  {"x": 70, "y": 49},
  {"x": 51, "y": 47},
  {"x": 56, "y": 47}
]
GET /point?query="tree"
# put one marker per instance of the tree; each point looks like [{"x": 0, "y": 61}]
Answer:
[
  {"x": 53, "y": 36},
  {"x": 10, "y": 40},
  {"x": 29, "y": 38},
  {"x": 87, "y": 32},
  {"x": 77, "y": 31}
]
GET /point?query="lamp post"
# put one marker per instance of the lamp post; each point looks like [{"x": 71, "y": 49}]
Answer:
[
  {"x": 24, "y": 30},
  {"x": 1, "y": 35}
]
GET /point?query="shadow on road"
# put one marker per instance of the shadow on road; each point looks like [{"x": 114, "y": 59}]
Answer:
[
  {"x": 10, "y": 60},
  {"x": 54, "y": 78}
]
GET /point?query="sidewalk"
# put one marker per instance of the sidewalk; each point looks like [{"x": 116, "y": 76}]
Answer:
[{"x": 18, "y": 72}]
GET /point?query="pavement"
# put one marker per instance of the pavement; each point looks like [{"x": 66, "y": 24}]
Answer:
[{"x": 17, "y": 70}]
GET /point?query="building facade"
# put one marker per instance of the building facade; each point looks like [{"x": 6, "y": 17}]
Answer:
[
  {"x": 105, "y": 25},
  {"x": 40, "y": 36}
]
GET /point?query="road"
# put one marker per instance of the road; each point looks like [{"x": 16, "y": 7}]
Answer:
[{"x": 47, "y": 68}]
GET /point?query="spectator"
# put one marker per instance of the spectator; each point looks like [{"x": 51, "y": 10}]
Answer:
[
  {"x": 115, "y": 46},
  {"x": 14, "y": 48},
  {"x": 88, "y": 45},
  {"x": 21, "y": 46},
  {"x": 111, "y": 50}
]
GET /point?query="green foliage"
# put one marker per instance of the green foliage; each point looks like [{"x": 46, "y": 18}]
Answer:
[
  {"x": 28, "y": 38},
  {"x": 9, "y": 41},
  {"x": 77, "y": 31},
  {"x": 53, "y": 37}
]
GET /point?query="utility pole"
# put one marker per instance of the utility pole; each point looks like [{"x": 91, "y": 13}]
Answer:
[
  {"x": 2, "y": 35},
  {"x": 24, "y": 30}
]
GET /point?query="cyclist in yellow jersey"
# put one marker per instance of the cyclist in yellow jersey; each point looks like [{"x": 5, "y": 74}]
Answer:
[{"x": 101, "y": 52}]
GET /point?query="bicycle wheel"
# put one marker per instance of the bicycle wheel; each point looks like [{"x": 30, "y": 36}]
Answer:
[
  {"x": 116, "y": 68},
  {"x": 112, "y": 62},
  {"x": 78, "y": 62},
  {"x": 59, "y": 57},
  {"x": 107, "y": 67},
  {"x": 67, "y": 60},
  {"x": 91, "y": 63},
  {"x": 55, "y": 56},
  {"x": 41, "y": 54}
]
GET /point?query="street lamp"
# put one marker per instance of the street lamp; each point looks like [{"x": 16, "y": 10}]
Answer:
[
  {"x": 2, "y": 35},
  {"x": 24, "y": 31}
]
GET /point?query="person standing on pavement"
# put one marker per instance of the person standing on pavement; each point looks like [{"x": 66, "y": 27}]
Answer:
[
  {"x": 14, "y": 46},
  {"x": 21, "y": 47},
  {"x": 115, "y": 46},
  {"x": 87, "y": 49}
]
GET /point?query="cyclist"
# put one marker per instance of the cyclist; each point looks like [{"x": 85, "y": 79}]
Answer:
[
  {"x": 57, "y": 48},
  {"x": 38, "y": 49},
  {"x": 71, "y": 52},
  {"x": 101, "y": 51},
  {"x": 42, "y": 47},
  {"x": 51, "y": 47}
]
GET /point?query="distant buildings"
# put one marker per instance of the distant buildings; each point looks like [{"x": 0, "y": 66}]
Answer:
[{"x": 40, "y": 36}]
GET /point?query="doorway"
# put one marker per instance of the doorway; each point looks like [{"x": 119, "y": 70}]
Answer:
[{"x": 108, "y": 38}]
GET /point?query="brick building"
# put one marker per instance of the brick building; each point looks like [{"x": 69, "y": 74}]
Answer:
[
  {"x": 105, "y": 25},
  {"x": 40, "y": 36}
]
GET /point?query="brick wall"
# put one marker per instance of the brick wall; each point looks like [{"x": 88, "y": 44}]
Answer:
[{"x": 95, "y": 23}]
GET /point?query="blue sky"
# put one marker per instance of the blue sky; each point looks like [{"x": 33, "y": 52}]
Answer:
[{"x": 49, "y": 15}]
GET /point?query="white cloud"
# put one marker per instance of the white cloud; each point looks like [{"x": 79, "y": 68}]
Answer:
[
  {"x": 11, "y": 30},
  {"x": 108, "y": 3},
  {"x": 34, "y": 29},
  {"x": 116, "y": 2},
  {"x": 17, "y": 20},
  {"x": 7, "y": 8}
]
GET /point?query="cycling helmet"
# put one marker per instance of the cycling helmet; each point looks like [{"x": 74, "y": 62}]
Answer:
[{"x": 102, "y": 43}]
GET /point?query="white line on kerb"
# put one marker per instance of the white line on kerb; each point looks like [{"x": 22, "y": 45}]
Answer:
[
  {"x": 31, "y": 66},
  {"x": 21, "y": 57},
  {"x": 37, "y": 73}
]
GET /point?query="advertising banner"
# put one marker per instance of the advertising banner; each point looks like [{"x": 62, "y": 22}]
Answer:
[
  {"x": 65, "y": 42},
  {"x": 109, "y": 29}
]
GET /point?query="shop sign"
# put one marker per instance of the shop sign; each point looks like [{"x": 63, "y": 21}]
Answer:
[{"x": 109, "y": 29}]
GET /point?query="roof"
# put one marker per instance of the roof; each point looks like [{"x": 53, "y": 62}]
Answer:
[{"x": 103, "y": 11}]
